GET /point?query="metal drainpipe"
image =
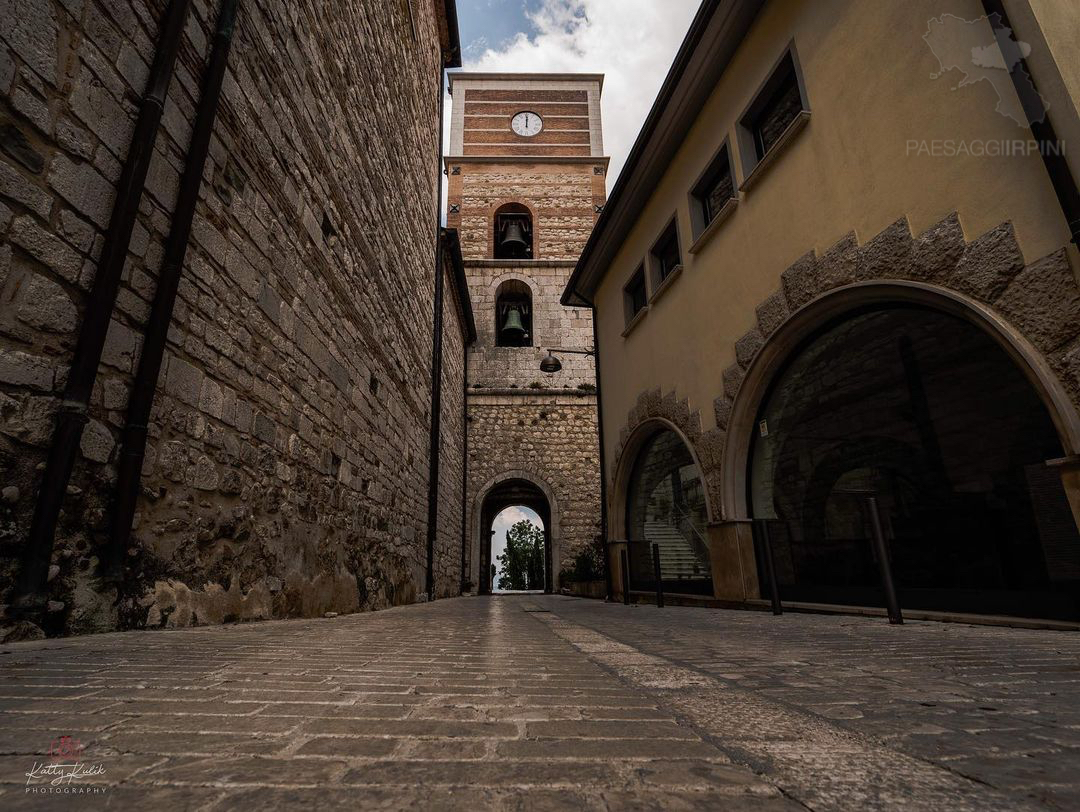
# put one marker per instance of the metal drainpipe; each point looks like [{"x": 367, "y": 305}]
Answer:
[
  {"x": 436, "y": 369},
  {"x": 603, "y": 463},
  {"x": 73, "y": 416},
  {"x": 1039, "y": 121},
  {"x": 133, "y": 442}
]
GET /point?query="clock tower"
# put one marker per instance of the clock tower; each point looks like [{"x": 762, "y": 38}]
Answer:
[{"x": 527, "y": 180}]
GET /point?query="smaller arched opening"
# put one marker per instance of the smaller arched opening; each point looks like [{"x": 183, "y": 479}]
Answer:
[
  {"x": 513, "y": 232},
  {"x": 518, "y": 551},
  {"x": 666, "y": 515},
  {"x": 500, "y": 500},
  {"x": 513, "y": 314}
]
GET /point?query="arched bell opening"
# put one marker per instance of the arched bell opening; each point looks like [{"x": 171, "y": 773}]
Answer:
[
  {"x": 507, "y": 494},
  {"x": 513, "y": 315},
  {"x": 513, "y": 232},
  {"x": 927, "y": 412}
]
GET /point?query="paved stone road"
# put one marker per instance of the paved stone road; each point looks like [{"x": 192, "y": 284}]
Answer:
[{"x": 538, "y": 703}]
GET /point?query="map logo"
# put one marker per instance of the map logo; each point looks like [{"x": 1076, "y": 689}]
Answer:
[{"x": 984, "y": 50}]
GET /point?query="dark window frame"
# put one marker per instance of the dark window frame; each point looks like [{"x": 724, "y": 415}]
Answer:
[
  {"x": 660, "y": 265},
  {"x": 636, "y": 282},
  {"x": 700, "y": 215},
  {"x": 752, "y": 150}
]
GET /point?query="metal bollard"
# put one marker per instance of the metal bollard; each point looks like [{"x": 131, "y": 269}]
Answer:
[
  {"x": 610, "y": 596},
  {"x": 625, "y": 578},
  {"x": 770, "y": 566},
  {"x": 656, "y": 575},
  {"x": 892, "y": 604}
]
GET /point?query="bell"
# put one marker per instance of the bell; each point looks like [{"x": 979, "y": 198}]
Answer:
[
  {"x": 513, "y": 240},
  {"x": 513, "y": 324}
]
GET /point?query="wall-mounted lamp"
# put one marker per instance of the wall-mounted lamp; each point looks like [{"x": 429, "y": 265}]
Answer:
[{"x": 551, "y": 364}]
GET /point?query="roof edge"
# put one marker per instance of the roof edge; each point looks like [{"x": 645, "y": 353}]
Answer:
[
  {"x": 451, "y": 243},
  {"x": 450, "y": 37},
  {"x": 511, "y": 76},
  {"x": 619, "y": 212}
]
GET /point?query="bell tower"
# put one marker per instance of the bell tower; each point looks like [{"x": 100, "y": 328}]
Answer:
[{"x": 527, "y": 181}]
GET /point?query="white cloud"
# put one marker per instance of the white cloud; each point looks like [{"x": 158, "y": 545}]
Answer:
[{"x": 633, "y": 42}]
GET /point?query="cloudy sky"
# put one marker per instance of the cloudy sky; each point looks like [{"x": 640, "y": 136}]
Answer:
[
  {"x": 633, "y": 42},
  {"x": 503, "y": 522}
]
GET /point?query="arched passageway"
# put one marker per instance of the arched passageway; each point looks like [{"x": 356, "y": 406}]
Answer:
[
  {"x": 505, "y": 494},
  {"x": 928, "y": 413},
  {"x": 665, "y": 509},
  {"x": 518, "y": 551}
]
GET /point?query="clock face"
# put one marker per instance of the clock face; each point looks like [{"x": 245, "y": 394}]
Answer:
[{"x": 527, "y": 124}]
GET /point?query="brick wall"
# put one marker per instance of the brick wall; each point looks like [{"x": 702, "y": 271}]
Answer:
[{"x": 287, "y": 467}]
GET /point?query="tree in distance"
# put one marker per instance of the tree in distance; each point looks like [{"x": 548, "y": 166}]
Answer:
[{"x": 522, "y": 562}]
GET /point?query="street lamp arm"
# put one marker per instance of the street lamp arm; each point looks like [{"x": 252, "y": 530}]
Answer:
[{"x": 590, "y": 351}]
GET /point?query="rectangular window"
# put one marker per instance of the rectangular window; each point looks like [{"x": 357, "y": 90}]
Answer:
[
  {"x": 719, "y": 191},
  {"x": 780, "y": 107},
  {"x": 778, "y": 111},
  {"x": 636, "y": 295},
  {"x": 712, "y": 192},
  {"x": 665, "y": 253}
]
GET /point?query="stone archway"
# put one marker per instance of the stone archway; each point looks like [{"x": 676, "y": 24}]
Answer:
[
  {"x": 516, "y": 487},
  {"x": 1032, "y": 311},
  {"x": 631, "y": 444}
]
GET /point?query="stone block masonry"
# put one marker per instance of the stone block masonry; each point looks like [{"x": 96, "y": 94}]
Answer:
[
  {"x": 552, "y": 438},
  {"x": 494, "y": 367},
  {"x": 563, "y": 198},
  {"x": 524, "y": 424},
  {"x": 450, "y": 537},
  {"x": 288, "y": 460}
]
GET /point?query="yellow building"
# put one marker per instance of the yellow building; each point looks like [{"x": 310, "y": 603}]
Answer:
[{"x": 840, "y": 263}]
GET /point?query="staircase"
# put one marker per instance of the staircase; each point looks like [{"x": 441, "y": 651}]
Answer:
[{"x": 678, "y": 561}]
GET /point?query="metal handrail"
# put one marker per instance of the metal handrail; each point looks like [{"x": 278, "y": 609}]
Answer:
[{"x": 690, "y": 523}]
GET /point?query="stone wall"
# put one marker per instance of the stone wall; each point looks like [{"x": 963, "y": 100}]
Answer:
[
  {"x": 287, "y": 467},
  {"x": 553, "y": 325},
  {"x": 563, "y": 199},
  {"x": 448, "y": 542},
  {"x": 554, "y": 439}
]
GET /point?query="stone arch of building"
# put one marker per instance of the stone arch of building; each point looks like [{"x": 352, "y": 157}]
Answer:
[
  {"x": 1031, "y": 311},
  {"x": 629, "y": 449},
  {"x": 506, "y": 489},
  {"x": 502, "y": 202}
]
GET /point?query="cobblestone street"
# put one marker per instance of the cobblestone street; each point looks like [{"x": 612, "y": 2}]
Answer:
[{"x": 549, "y": 703}]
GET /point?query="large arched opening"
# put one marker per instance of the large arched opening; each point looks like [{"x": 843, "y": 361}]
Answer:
[
  {"x": 513, "y": 491},
  {"x": 925, "y": 409}
]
